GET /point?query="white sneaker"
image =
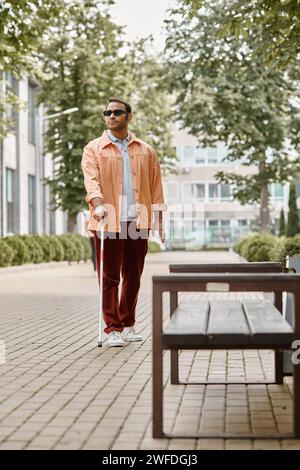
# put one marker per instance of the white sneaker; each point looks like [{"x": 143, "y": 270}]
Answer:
[
  {"x": 129, "y": 334},
  {"x": 115, "y": 339}
]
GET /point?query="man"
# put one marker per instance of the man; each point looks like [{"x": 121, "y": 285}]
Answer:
[{"x": 123, "y": 181}]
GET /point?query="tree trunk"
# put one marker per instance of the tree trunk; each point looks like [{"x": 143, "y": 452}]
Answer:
[
  {"x": 264, "y": 208},
  {"x": 264, "y": 201},
  {"x": 72, "y": 222}
]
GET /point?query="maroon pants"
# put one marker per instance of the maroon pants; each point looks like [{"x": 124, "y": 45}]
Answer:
[{"x": 126, "y": 255}]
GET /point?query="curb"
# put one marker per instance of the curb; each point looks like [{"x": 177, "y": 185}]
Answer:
[{"x": 34, "y": 267}]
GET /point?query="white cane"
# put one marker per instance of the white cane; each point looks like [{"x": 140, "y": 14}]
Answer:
[{"x": 101, "y": 212}]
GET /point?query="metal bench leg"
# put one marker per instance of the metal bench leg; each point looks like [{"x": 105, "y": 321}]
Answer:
[
  {"x": 296, "y": 368},
  {"x": 157, "y": 367},
  {"x": 174, "y": 367},
  {"x": 279, "y": 367},
  {"x": 297, "y": 401},
  {"x": 278, "y": 354}
]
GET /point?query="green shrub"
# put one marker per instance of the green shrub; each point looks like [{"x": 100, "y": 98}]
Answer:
[
  {"x": 258, "y": 247},
  {"x": 47, "y": 247},
  {"x": 78, "y": 244},
  {"x": 153, "y": 247},
  {"x": 286, "y": 247},
  {"x": 20, "y": 250},
  {"x": 70, "y": 249},
  {"x": 57, "y": 247},
  {"x": 238, "y": 246},
  {"x": 34, "y": 249},
  {"x": 6, "y": 254},
  {"x": 86, "y": 247}
]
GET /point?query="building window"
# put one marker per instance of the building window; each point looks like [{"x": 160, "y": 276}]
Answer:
[
  {"x": 213, "y": 191},
  {"x": 212, "y": 154},
  {"x": 31, "y": 204},
  {"x": 200, "y": 155},
  {"x": 187, "y": 191},
  {"x": 12, "y": 85},
  {"x": 188, "y": 155},
  {"x": 10, "y": 176},
  {"x": 31, "y": 114},
  {"x": 225, "y": 192},
  {"x": 50, "y": 212},
  {"x": 242, "y": 222},
  {"x": 212, "y": 223},
  {"x": 199, "y": 191},
  {"x": 225, "y": 222},
  {"x": 172, "y": 192},
  {"x": 278, "y": 191}
]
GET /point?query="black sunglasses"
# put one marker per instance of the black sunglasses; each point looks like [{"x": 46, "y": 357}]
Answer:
[{"x": 116, "y": 112}]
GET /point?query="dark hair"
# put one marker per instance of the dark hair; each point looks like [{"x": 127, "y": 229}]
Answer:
[{"x": 120, "y": 100}]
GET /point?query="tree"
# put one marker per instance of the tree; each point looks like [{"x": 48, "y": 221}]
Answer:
[
  {"x": 293, "y": 216},
  {"x": 278, "y": 20},
  {"x": 81, "y": 68},
  {"x": 22, "y": 23},
  {"x": 84, "y": 63},
  {"x": 146, "y": 84},
  {"x": 224, "y": 95},
  {"x": 282, "y": 227}
]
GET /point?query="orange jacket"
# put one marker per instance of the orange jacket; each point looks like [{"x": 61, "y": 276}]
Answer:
[{"x": 102, "y": 170}]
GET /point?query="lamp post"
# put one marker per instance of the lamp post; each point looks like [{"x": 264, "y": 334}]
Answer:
[{"x": 37, "y": 158}]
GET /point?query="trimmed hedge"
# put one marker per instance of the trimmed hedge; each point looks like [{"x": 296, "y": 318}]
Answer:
[
  {"x": 286, "y": 247},
  {"x": 153, "y": 247},
  {"x": 35, "y": 250},
  {"x": 6, "y": 254},
  {"x": 257, "y": 247},
  {"x": 21, "y": 249},
  {"x": 70, "y": 250},
  {"x": 57, "y": 247}
]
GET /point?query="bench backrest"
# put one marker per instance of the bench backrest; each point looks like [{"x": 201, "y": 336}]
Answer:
[{"x": 263, "y": 267}]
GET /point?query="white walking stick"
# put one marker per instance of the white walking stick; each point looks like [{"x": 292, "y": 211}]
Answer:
[
  {"x": 101, "y": 255},
  {"x": 101, "y": 285}
]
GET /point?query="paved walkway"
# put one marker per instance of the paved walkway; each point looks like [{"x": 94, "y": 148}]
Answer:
[{"x": 59, "y": 391}]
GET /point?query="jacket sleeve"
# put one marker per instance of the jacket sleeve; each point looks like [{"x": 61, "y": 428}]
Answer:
[
  {"x": 91, "y": 174},
  {"x": 157, "y": 194}
]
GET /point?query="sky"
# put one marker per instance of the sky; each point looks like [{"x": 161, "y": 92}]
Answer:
[{"x": 142, "y": 18}]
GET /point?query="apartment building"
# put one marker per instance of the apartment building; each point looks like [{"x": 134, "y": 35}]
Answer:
[{"x": 202, "y": 211}]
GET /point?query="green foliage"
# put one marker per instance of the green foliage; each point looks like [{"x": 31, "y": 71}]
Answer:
[
  {"x": 282, "y": 227},
  {"x": 87, "y": 250},
  {"x": 35, "y": 251},
  {"x": 20, "y": 250},
  {"x": 22, "y": 24},
  {"x": 83, "y": 66},
  {"x": 153, "y": 247},
  {"x": 293, "y": 217},
  {"x": 70, "y": 248},
  {"x": 46, "y": 246},
  {"x": 6, "y": 254},
  {"x": 224, "y": 93},
  {"x": 76, "y": 239},
  {"x": 257, "y": 247},
  {"x": 286, "y": 247},
  {"x": 57, "y": 248}
]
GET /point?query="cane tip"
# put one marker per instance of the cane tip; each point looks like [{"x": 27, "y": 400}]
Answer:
[{"x": 100, "y": 344}]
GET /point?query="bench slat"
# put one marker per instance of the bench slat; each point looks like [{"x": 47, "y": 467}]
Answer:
[
  {"x": 188, "y": 323},
  {"x": 227, "y": 323},
  {"x": 267, "y": 324}
]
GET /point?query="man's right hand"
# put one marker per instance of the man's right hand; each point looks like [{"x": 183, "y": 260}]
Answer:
[{"x": 99, "y": 212}]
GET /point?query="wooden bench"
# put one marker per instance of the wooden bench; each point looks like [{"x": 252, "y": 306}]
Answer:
[
  {"x": 261, "y": 267},
  {"x": 220, "y": 324}
]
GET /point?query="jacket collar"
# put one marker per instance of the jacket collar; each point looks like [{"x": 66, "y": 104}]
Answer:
[{"x": 104, "y": 140}]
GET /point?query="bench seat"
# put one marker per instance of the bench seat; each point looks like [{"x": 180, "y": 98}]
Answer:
[{"x": 227, "y": 323}]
